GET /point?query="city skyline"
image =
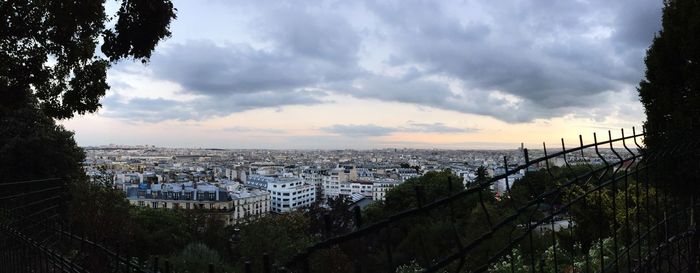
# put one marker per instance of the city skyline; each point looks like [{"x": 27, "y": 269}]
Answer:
[{"x": 364, "y": 75}]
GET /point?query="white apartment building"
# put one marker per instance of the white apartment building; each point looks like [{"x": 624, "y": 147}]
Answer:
[
  {"x": 314, "y": 178},
  {"x": 331, "y": 182},
  {"x": 362, "y": 187},
  {"x": 380, "y": 187},
  {"x": 290, "y": 193}
]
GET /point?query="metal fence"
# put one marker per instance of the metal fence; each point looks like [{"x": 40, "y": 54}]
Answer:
[
  {"x": 35, "y": 235},
  {"x": 604, "y": 208},
  {"x": 599, "y": 207}
]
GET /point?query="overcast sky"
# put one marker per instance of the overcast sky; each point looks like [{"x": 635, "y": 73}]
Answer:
[{"x": 373, "y": 74}]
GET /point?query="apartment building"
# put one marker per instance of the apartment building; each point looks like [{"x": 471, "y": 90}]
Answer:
[{"x": 231, "y": 206}]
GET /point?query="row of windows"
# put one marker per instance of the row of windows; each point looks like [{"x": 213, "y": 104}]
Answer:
[
  {"x": 292, "y": 193},
  {"x": 248, "y": 213},
  {"x": 285, "y": 202},
  {"x": 250, "y": 200},
  {"x": 285, "y": 185},
  {"x": 303, "y": 196},
  {"x": 187, "y": 205},
  {"x": 256, "y": 205}
]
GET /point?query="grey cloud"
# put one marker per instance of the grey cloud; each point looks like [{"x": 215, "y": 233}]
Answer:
[
  {"x": 309, "y": 51},
  {"x": 516, "y": 63},
  {"x": 155, "y": 110},
  {"x": 202, "y": 67},
  {"x": 638, "y": 23},
  {"x": 245, "y": 129},
  {"x": 538, "y": 52},
  {"x": 147, "y": 110},
  {"x": 367, "y": 130},
  {"x": 371, "y": 130},
  {"x": 438, "y": 95},
  {"x": 437, "y": 127},
  {"x": 315, "y": 34}
]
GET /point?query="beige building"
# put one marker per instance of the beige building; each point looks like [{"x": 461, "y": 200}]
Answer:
[{"x": 231, "y": 207}]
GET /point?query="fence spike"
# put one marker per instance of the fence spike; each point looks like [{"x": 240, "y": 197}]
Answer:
[
  {"x": 419, "y": 195},
  {"x": 357, "y": 212},
  {"x": 527, "y": 156},
  {"x": 267, "y": 267},
  {"x": 327, "y": 225},
  {"x": 155, "y": 264}
]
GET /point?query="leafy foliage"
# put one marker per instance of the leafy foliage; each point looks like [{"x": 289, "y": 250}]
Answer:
[
  {"x": 47, "y": 54},
  {"x": 670, "y": 91},
  {"x": 93, "y": 206},
  {"x": 158, "y": 232},
  {"x": 338, "y": 212},
  {"x": 430, "y": 186},
  {"x": 141, "y": 24},
  {"x": 281, "y": 236},
  {"x": 195, "y": 257},
  {"x": 32, "y": 146}
]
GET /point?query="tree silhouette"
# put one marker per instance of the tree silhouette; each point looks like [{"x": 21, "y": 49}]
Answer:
[
  {"x": 47, "y": 52},
  {"x": 670, "y": 91}
]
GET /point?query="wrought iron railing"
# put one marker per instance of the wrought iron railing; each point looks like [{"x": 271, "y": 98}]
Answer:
[
  {"x": 35, "y": 235},
  {"x": 615, "y": 215}
]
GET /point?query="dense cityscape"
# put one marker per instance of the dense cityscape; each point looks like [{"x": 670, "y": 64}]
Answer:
[{"x": 241, "y": 184}]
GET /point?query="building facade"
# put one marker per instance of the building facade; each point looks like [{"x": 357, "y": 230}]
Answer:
[
  {"x": 380, "y": 187},
  {"x": 290, "y": 193},
  {"x": 231, "y": 207}
]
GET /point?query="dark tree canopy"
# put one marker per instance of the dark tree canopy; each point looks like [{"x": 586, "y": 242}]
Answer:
[
  {"x": 670, "y": 91},
  {"x": 32, "y": 146},
  {"x": 48, "y": 50}
]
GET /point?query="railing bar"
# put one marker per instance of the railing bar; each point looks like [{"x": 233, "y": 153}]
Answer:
[
  {"x": 31, "y": 192},
  {"x": 29, "y": 181},
  {"x": 497, "y": 226},
  {"x": 409, "y": 212}
]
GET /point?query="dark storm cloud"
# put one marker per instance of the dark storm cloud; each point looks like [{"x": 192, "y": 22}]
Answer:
[
  {"x": 308, "y": 49},
  {"x": 202, "y": 67},
  {"x": 515, "y": 61},
  {"x": 553, "y": 56}
]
